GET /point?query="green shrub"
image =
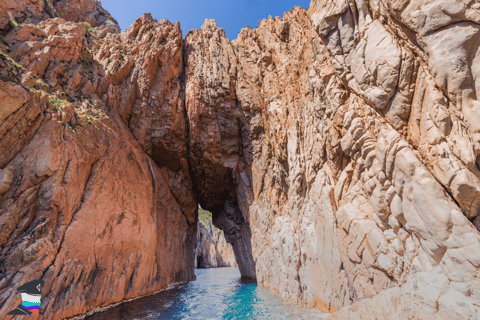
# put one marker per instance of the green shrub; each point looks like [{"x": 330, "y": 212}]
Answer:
[
  {"x": 5, "y": 57},
  {"x": 109, "y": 17},
  {"x": 92, "y": 32},
  {"x": 57, "y": 103},
  {"x": 12, "y": 23},
  {"x": 88, "y": 26},
  {"x": 204, "y": 215},
  {"x": 86, "y": 63}
]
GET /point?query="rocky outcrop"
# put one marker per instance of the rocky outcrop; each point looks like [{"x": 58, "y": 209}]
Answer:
[
  {"x": 215, "y": 140},
  {"x": 66, "y": 219},
  {"x": 34, "y": 11},
  {"x": 357, "y": 170},
  {"x": 86, "y": 203},
  {"x": 212, "y": 249},
  {"x": 337, "y": 149},
  {"x": 422, "y": 184}
]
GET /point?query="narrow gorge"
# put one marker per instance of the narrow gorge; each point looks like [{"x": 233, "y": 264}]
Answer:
[
  {"x": 212, "y": 249},
  {"x": 338, "y": 148}
]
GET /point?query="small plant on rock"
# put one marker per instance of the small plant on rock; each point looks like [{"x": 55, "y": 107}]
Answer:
[
  {"x": 57, "y": 103},
  {"x": 109, "y": 17},
  {"x": 5, "y": 57},
  {"x": 12, "y": 23},
  {"x": 204, "y": 215},
  {"x": 91, "y": 31},
  {"x": 48, "y": 4},
  {"x": 88, "y": 26},
  {"x": 86, "y": 63}
]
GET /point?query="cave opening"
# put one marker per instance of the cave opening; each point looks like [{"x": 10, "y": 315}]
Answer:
[
  {"x": 200, "y": 263},
  {"x": 223, "y": 239}
]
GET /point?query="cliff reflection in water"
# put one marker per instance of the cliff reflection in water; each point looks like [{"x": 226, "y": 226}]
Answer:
[{"x": 216, "y": 294}]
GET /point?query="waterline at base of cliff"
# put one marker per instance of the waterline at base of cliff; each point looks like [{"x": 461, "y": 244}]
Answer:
[{"x": 218, "y": 293}]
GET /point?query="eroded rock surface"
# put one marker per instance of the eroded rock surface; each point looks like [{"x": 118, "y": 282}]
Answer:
[
  {"x": 358, "y": 164},
  {"x": 337, "y": 149},
  {"x": 86, "y": 203},
  {"x": 212, "y": 249},
  {"x": 34, "y": 11},
  {"x": 215, "y": 136}
]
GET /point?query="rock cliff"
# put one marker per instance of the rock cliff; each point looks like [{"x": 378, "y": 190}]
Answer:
[
  {"x": 336, "y": 147},
  {"x": 90, "y": 200},
  {"x": 212, "y": 249},
  {"x": 13, "y": 12}
]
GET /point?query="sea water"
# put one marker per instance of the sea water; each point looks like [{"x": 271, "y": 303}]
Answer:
[{"x": 218, "y": 293}]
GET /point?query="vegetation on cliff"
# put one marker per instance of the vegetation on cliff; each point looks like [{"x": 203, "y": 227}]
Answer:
[{"x": 204, "y": 216}]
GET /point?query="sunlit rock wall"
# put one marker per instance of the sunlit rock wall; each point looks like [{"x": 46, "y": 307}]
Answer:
[
  {"x": 95, "y": 193},
  {"x": 362, "y": 122},
  {"x": 212, "y": 249},
  {"x": 336, "y": 148}
]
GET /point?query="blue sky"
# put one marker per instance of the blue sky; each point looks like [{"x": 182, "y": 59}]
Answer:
[{"x": 229, "y": 14}]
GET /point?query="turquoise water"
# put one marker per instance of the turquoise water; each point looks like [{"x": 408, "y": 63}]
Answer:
[{"x": 216, "y": 294}]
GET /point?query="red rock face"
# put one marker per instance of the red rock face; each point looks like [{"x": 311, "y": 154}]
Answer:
[
  {"x": 82, "y": 214},
  {"x": 212, "y": 249},
  {"x": 215, "y": 128},
  {"x": 333, "y": 149},
  {"x": 89, "y": 200},
  {"x": 210, "y": 72},
  {"x": 143, "y": 83},
  {"x": 34, "y": 11}
]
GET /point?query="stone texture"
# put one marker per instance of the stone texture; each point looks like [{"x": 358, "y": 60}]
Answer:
[
  {"x": 34, "y": 11},
  {"x": 90, "y": 11},
  {"x": 65, "y": 224},
  {"x": 212, "y": 249},
  {"x": 337, "y": 149},
  {"x": 281, "y": 126},
  {"x": 143, "y": 82},
  {"x": 356, "y": 169},
  {"x": 87, "y": 203},
  {"x": 215, "y": 144}
]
